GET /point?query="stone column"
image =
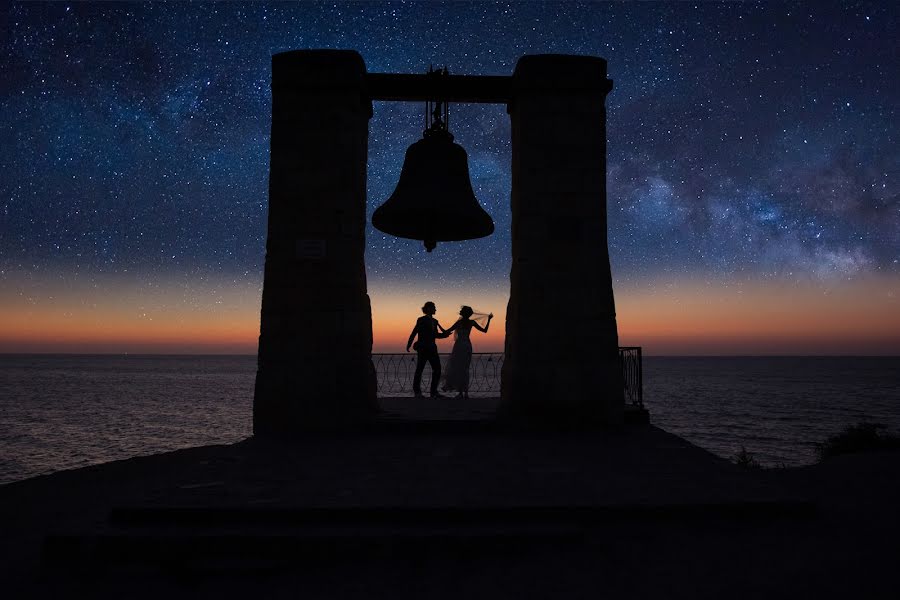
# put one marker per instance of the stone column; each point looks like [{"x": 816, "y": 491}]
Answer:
[
  {"x": 315, "y": 346},
  {"x": 561, "y": 366}
]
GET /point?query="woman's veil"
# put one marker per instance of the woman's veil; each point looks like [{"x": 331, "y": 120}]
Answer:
[{"x": 479, "y": 317}]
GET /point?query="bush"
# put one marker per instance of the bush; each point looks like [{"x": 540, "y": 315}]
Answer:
[
  {"x": 746, "y": 460},
  {"x": 862, "y": 437}
]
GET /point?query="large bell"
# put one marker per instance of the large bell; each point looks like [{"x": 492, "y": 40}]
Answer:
[{"x": 434, "y": 201}]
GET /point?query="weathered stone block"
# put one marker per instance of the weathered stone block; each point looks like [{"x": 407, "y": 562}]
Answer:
[
  {"x": 315, "y": 369},
  {"x": 560, "y": 258}
]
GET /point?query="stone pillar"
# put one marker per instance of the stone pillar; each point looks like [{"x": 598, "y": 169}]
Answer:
[
  {"x": 315, "y": 345},
  {"x": 561, "y": 366}
]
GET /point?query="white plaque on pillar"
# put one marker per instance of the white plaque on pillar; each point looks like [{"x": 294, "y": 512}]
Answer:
[{"x": 311, "y": 249}]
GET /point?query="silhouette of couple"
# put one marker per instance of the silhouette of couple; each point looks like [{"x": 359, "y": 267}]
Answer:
[{"x": 428, "y": 330}]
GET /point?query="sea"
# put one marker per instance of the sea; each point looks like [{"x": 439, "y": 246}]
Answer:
[{"x": 62, "y": 412}]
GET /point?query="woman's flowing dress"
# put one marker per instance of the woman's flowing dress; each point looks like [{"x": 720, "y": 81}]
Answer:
[{"x": 456, "y": 374}]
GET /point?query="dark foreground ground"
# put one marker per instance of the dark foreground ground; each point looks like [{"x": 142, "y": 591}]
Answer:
[{"x": 455, "y": 511}]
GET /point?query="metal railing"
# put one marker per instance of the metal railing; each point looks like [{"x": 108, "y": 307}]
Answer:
[{"x": 395, "y": 374}]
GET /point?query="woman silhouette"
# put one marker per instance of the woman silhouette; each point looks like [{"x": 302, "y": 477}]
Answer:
[{"x": 456, "y": 375}]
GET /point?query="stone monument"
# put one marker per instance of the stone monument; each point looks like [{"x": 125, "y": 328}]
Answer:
[{"x": 314, "y": 367}]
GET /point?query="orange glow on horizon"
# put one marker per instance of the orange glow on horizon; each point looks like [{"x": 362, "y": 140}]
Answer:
[
  {"x": 676, "y": 318},
  {"x": 859, "y": 317},
  {"x": 80, "y": 331}
]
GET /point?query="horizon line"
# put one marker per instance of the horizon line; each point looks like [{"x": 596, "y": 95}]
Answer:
[{"x": 644, "y": 354}]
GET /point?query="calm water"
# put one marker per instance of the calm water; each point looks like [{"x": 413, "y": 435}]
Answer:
[{"x": 61, "y": 412}]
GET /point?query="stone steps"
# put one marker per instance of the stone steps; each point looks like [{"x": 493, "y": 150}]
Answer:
[{"x": 242, "y": 537}]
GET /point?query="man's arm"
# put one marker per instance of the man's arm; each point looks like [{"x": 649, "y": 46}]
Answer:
[
  {"x": 445, "y": 333},
  {"x": 412, "y": 336}
]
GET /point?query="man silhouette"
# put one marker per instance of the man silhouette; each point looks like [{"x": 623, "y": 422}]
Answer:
[{"x": 426, "y": 348}]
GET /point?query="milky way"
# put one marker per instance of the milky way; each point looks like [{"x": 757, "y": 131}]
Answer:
[{"x": 745, "y": 141}]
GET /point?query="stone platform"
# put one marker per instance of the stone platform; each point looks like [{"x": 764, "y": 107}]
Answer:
[
  {"x": 418, "y": 512},
  {"x": 475, "y": 410}
]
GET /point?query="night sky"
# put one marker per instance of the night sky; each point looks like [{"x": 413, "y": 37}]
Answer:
[{"x": 752, "y": 149}]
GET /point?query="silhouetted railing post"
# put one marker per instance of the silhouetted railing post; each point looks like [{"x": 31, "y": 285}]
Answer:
[
  {"x": 632, "y": 375},
  {"x": 640, "y": 370}
]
